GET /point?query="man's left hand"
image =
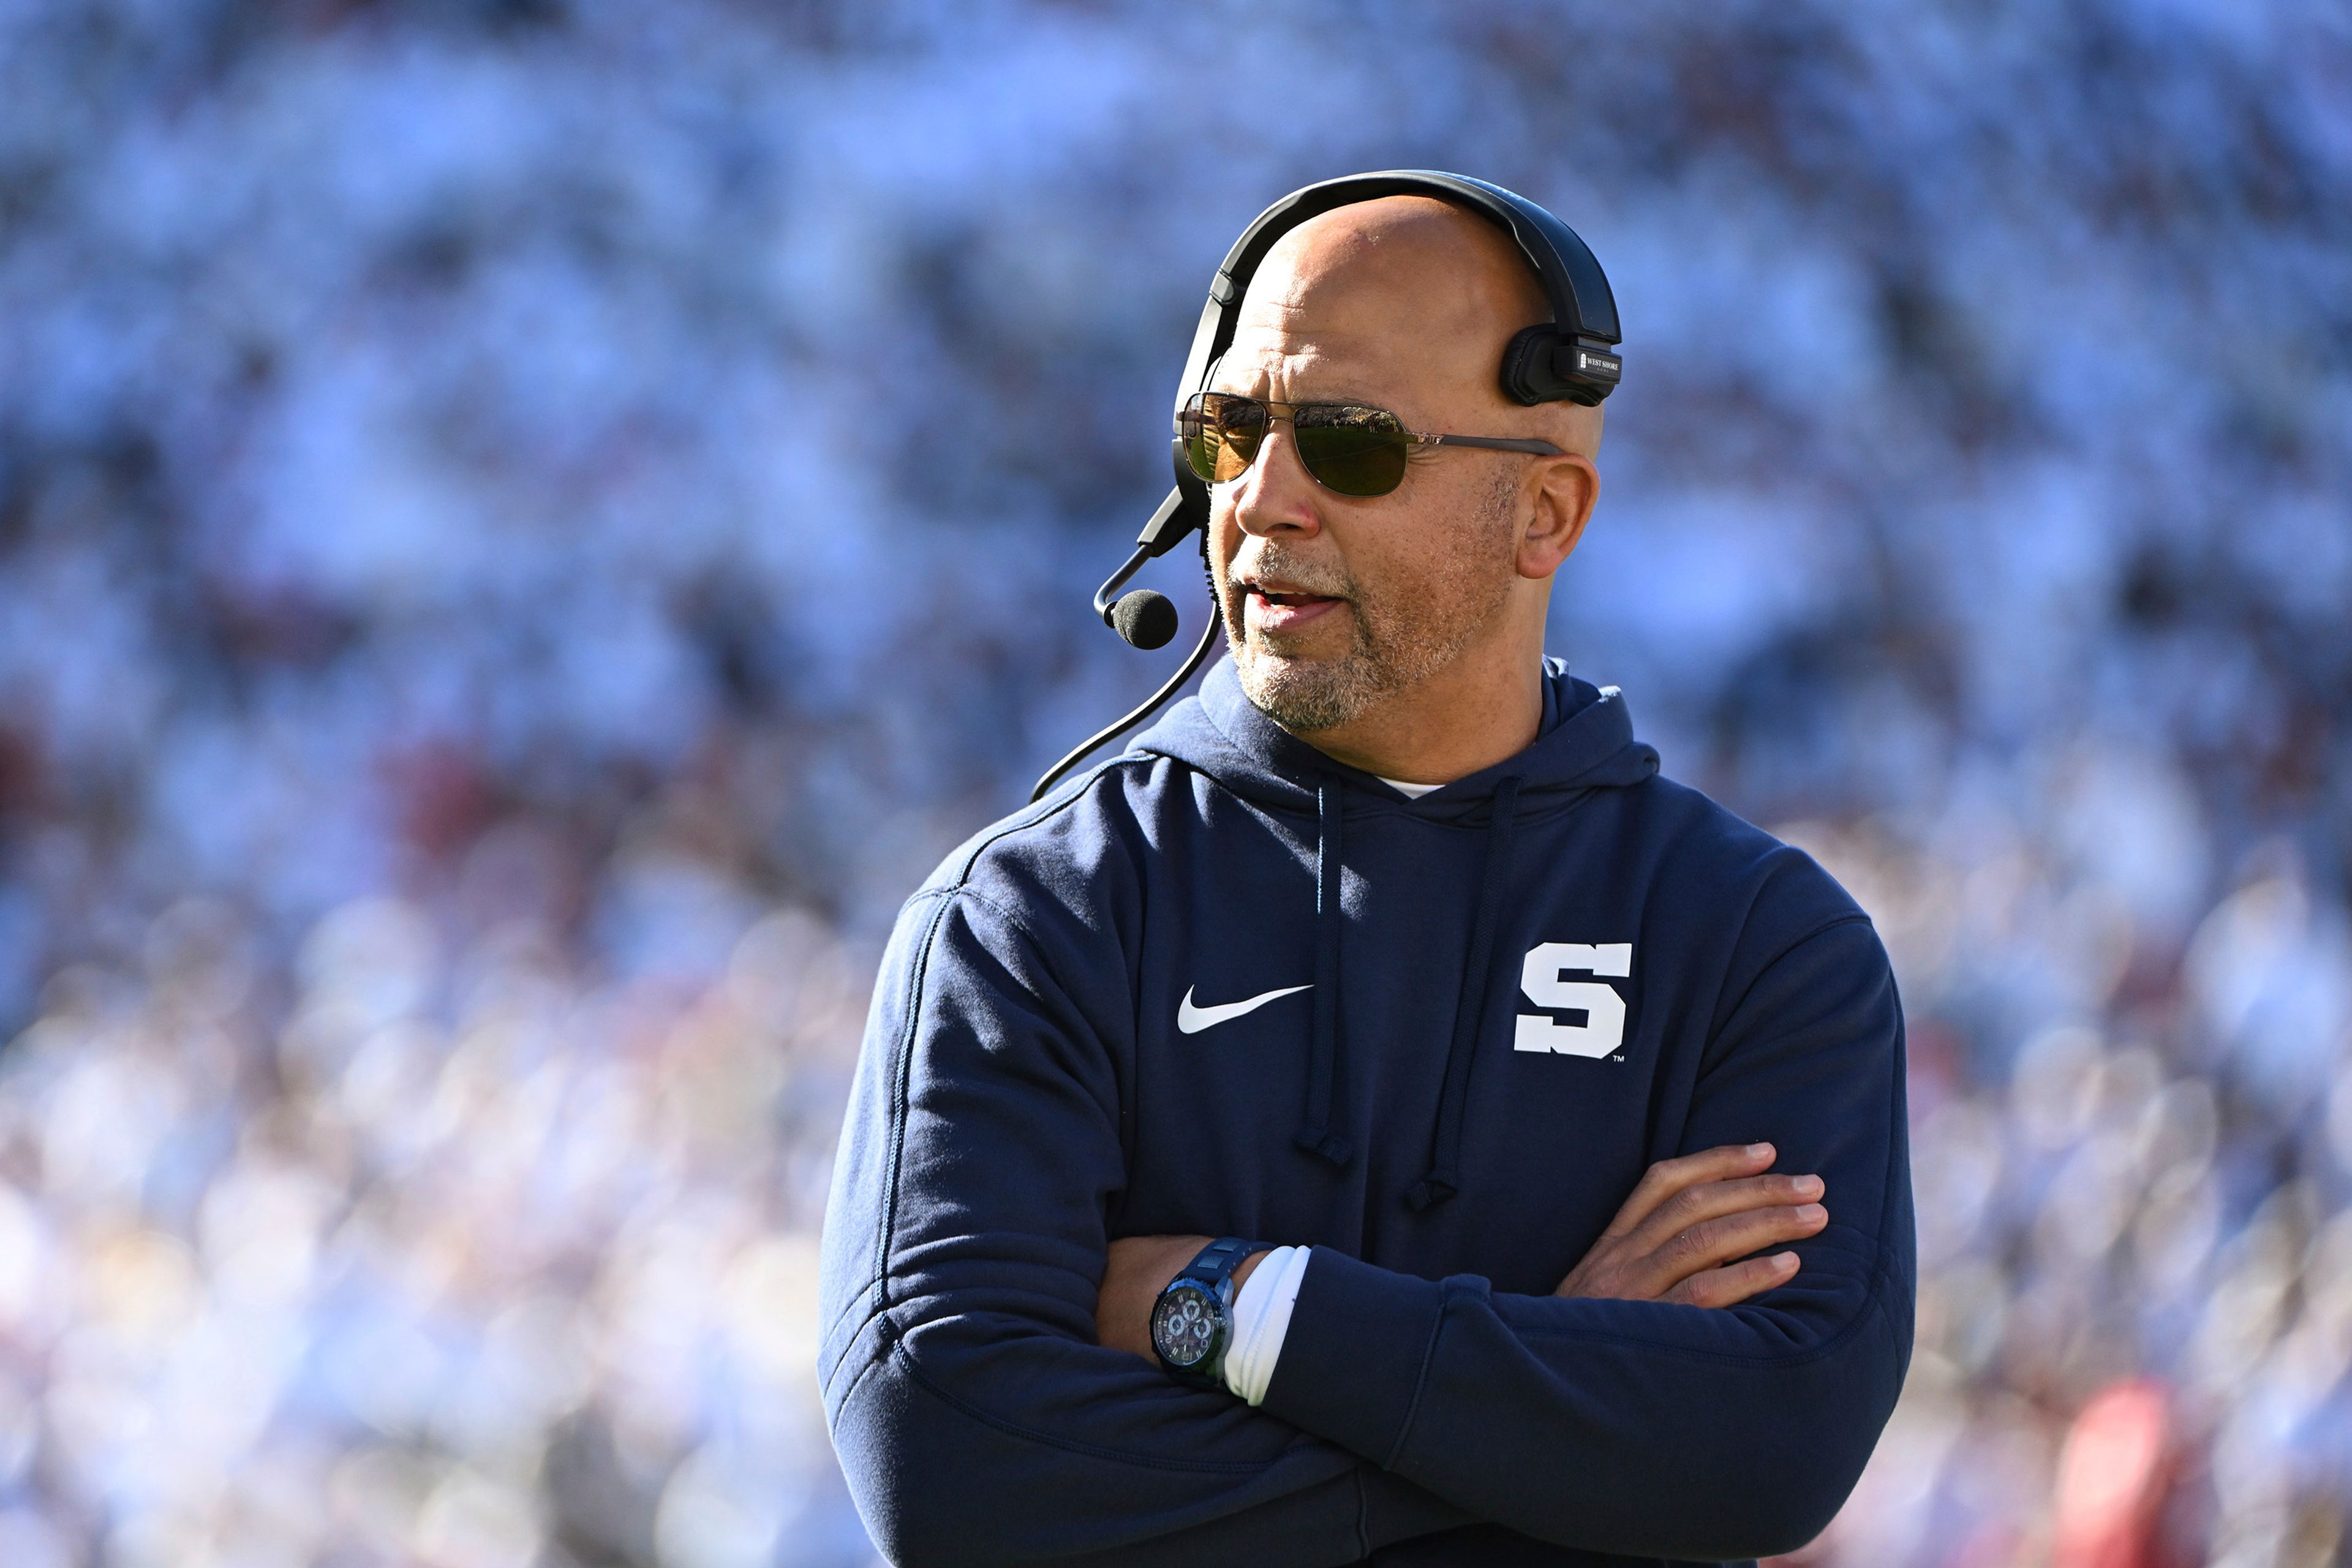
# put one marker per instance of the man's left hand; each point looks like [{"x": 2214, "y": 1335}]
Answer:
[{"x": 1139, "y": 1270}]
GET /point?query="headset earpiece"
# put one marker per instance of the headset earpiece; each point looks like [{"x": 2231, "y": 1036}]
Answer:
[{"x": 1544, "y": 364}]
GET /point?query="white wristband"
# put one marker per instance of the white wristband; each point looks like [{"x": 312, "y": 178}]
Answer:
[{"x": 1262, "y": 1319}]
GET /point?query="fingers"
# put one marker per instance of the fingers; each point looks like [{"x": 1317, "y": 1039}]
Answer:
[
  {"x": 1702, "y": 1246},
  {"x": 1668, "y": 1178},
  {"x": 1735, "y": 1283},
  {"x": 1694, "y": 1206},
  {"x": 1676, "y": 1235}
]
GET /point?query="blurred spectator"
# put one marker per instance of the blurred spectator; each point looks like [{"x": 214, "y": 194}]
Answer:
[{"x": 2113, "y": 1480}]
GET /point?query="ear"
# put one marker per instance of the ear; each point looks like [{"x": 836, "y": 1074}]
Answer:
[{"x": 1564, "y": 491}]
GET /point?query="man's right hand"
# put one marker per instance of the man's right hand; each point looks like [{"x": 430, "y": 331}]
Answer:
[{"x": 1674, "y": 1238}]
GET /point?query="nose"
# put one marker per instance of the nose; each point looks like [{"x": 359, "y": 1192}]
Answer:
[{"x": 1275, "y": 494}]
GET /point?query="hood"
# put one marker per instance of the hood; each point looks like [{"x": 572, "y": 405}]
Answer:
[{"x": 1585, "y": 741}]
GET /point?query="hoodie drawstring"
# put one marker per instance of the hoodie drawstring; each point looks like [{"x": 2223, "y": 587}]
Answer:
[
  {"x": 1315, "y": 1135},
  {"x": 1470, "y": 1012}
]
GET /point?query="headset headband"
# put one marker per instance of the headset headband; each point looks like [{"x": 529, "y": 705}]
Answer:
[{"x": 1564, "y": 360}]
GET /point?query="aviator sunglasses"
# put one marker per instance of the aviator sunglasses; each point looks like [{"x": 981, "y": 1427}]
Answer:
[{"x": 1347, "y": 448}]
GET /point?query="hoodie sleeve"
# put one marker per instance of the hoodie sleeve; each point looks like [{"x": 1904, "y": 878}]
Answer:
[
  {"x": 1644, "y": 1428},
  {"x": 977, "y": 1419}
]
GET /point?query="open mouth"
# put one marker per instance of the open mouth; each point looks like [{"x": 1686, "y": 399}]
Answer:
[{"x": 1278, "y": 608}]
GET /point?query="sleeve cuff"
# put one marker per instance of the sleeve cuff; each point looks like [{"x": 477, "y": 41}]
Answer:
[
  {"x": 1358, "y": 1338},
  {"x": 1262, "y": 1322}
]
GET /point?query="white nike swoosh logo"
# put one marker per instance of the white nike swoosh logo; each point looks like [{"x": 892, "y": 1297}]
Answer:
[{"x": 1192, "y": 1020}]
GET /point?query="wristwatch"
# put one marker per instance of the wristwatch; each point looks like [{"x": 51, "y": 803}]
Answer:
[{"x": 1192, "y": 1321}]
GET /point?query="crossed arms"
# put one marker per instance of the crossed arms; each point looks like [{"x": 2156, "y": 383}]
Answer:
[
  {"x": 1668, "y": 1400},
  {"x": 1683, "y": 1236}
]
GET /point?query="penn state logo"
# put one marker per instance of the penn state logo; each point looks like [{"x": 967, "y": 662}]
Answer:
[{"x": 1594, "y": 1021}]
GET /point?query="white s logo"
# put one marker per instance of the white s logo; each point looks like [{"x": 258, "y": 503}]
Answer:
[{"x": 1603, "y": 1029}]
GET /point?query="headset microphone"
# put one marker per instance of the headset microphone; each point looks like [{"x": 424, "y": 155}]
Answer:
[
  {"x": 1572, "y": 358},
  {"x": 1146, "y": 619}
]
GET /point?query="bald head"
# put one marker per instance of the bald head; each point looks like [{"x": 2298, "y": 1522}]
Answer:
[{"x": 1417, "y": 293}]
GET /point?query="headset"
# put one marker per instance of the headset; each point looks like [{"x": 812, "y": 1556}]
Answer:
[{"x": 1571, "y": 358}]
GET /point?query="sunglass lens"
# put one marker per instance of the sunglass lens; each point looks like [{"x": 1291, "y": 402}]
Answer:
[
  {"x": 1222, "y": 434},
  {"x": 1355, "y": 451}
]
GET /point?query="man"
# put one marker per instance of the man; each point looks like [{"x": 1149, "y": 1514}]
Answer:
[{"x": 1559, "y": 1114}]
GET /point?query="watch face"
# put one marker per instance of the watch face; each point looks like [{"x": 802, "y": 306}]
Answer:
[{"x": 1184, "y": 1325}]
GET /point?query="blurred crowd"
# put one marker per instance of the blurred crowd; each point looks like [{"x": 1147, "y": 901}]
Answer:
[
  {"x": 464, "y": 1261},
  {"x": 527, "y": 526}
]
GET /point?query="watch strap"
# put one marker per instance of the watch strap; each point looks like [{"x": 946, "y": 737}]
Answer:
[{"x": 1215, "y": 1263}]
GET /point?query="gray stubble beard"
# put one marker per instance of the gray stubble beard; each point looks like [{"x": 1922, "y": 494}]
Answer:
[{"x": 1393, "y": 646}]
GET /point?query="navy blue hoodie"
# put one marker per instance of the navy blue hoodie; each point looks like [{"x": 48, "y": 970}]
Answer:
[{"x": 1519, "y": 991}]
